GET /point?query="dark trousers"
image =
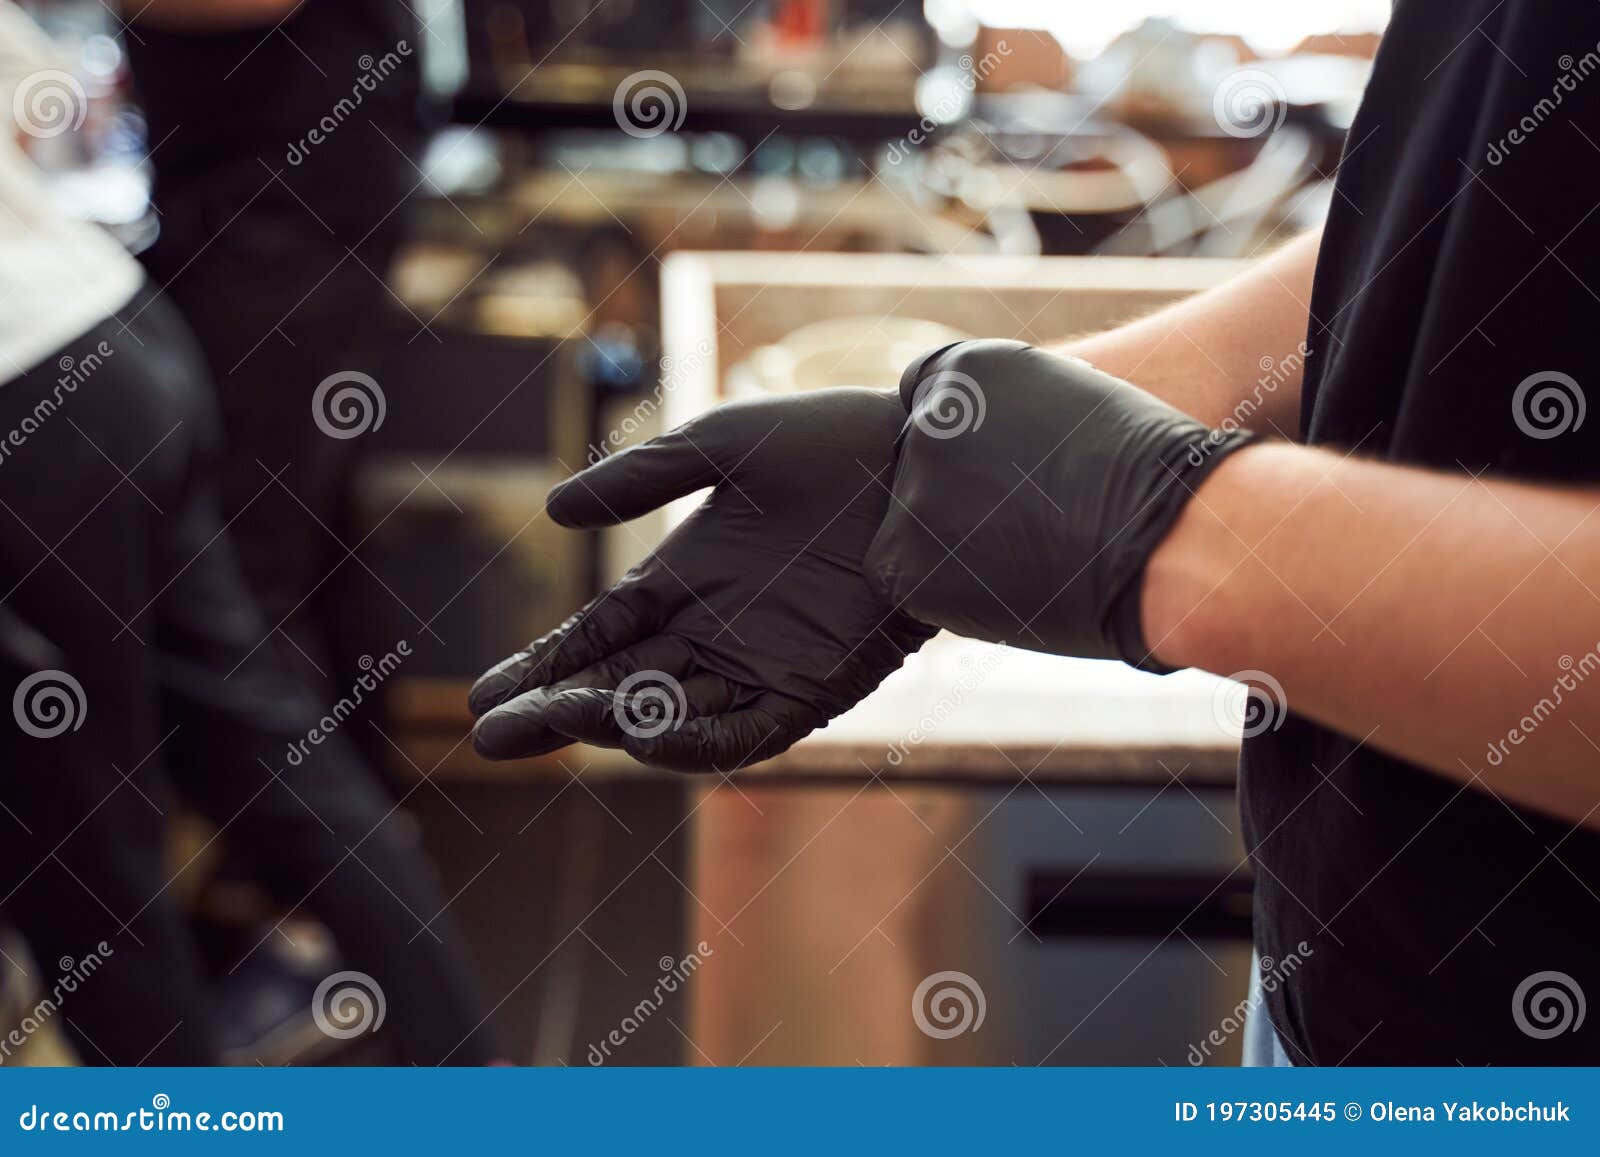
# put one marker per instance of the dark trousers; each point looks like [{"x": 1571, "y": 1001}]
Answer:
[{"x": 113, "y": 549}]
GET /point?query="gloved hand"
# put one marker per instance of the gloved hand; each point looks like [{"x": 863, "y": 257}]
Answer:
[
  {"x": 751, "y": 624},
  {"x": 1030, "y": 491}
]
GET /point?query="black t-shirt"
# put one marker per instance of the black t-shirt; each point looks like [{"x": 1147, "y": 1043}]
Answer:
[{"x": 1461, "y": 259}]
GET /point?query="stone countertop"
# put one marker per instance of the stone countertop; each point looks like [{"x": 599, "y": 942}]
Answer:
[{"x": 959, "y": 712}]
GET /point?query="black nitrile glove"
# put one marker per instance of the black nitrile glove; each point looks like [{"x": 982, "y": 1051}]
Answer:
[
  {"x": 751, "y": 624},
  {"x": 1030, "y": 491}
]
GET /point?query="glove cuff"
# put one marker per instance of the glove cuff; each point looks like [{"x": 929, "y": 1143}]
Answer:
[{"x": 1184, "y": 477}]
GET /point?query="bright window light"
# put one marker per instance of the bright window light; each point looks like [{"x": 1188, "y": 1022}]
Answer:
[{"x": 1085, "y": 27}]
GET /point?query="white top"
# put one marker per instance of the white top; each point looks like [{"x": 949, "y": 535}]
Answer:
[{"x": 58, "y": 277}]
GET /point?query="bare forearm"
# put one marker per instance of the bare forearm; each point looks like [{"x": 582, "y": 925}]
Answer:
[
  {"x": 1234, "y": 351},
  {"x": 1444, "y": 619}
]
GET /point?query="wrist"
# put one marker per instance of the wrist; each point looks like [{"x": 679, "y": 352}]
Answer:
[{"x": 1192, "y": 606}]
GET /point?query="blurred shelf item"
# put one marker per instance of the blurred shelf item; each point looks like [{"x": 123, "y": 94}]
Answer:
[
  {"x": 862, "y": 351},
  {"x": 848, "y": 70},
  {"x": 685, "y": 210},
  {"x": 475, "y": 289},
  {"x": 1181, "y": 184},
  {"x": 737, "y": 99},
  {"x": 1020, "y": 58}
]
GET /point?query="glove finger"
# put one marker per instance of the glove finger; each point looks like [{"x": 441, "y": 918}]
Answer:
[
  {"x": 641, "y": 478},
  {"x": 723, "y": 743},
  {"x": 630, "y": 611},
  {"x": 610, "y": 718},
  {"x": 518, "y": 728}
]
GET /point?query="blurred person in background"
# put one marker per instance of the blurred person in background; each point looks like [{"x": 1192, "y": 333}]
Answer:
[
  {"x": 117, "y": 570},
  {"x": 282, "y": 135}
]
